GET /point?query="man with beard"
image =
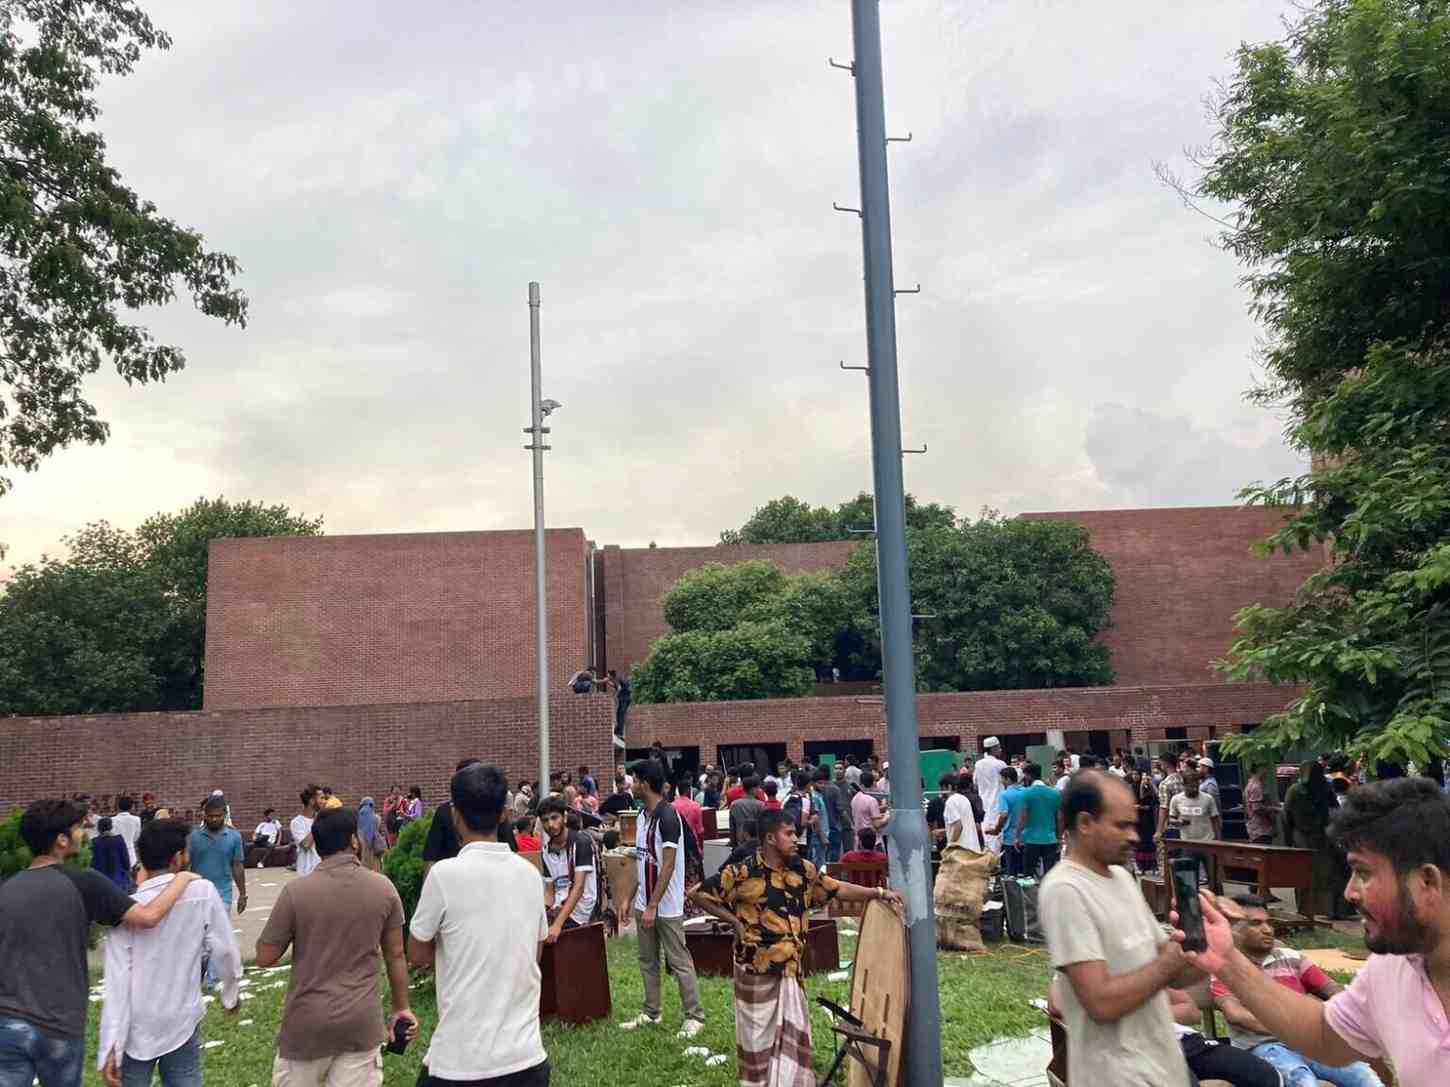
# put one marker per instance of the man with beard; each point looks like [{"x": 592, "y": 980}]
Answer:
[
  {"x": 1254, "y": 936},
  {"x": 1397, "y": 836}
]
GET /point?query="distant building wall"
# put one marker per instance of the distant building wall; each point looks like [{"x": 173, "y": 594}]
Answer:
[
  {"x": 418, "y": 617},
  {"x": 635, "y": 579},
  {"x": 264, "y": 757},
  {"x": 1181, "y": 575}
]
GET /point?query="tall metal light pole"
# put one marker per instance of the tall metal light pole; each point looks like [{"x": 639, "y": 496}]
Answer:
[
  {"x": 910, "y": 846},
  {"x": 537, "y": 430}
]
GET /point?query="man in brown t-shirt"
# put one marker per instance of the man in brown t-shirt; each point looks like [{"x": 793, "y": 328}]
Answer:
[{"x": 340, "y": 917}]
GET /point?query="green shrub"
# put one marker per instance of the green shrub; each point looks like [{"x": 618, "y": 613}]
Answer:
[
  {"x": 15, "y": 855},
  {"x": 403, "y": 864}
]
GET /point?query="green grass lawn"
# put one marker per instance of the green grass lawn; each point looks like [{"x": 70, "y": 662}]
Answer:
[{"x": 983, "y": 997}]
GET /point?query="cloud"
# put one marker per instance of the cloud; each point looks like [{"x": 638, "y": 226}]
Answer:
[
  {"x": 392, "y": 176},
  {"x": 1143, "y": 459}
]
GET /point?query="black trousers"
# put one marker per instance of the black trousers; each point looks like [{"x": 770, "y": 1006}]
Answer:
[
  {"x": 1035, "y": 856},
  {"x": 1219, "y": 1060},
  {"x": 1012, "y": 860},
  {"x": 537, "y": 1076}
]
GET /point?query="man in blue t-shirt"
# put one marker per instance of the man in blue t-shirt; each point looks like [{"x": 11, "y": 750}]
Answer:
[
  {"x": 1009, "y": 803},
  {"x": 217, "y": 853},
  {"x": 1037, "y": 823}
]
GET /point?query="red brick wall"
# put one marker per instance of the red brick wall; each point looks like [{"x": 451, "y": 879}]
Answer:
[
  {"x": 1182, "y": 573},
  {"x": 263, "y": 757},
  {"x": 1139, "y": 712},
  {"x": 635, "y": 579},
  {"x": 420, "y": 617}
]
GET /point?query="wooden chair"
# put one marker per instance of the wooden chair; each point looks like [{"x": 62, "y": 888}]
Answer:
[{"x": 868, "y": 874}]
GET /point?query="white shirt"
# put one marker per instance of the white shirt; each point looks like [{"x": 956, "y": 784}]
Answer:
[
  {"x": 307, "y": 859},
  {"x": 127, "y": 825},
  {"x": 486, "y": 910},
  {"x": 959, "y": 810},
  {"x": 988, "y": 776},
  {"x": 153, "y": 976},
  {"x": 271, "y": 828},
  {"x": 557, "y": 866},
  {"x": 672, "y": 902}
]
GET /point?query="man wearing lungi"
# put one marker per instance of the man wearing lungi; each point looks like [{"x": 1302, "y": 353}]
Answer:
[{"x": 767, "y": 898}]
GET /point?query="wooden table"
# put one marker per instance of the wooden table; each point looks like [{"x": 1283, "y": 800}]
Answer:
[
  {"x": 575, "y": 975},
  {"x": 1272, "y": 865}
]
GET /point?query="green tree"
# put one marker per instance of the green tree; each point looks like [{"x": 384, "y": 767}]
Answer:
[
  {"x": 789, "y": 520},
  {"x": 119, "y": 623},
  {"x": 785, "y": 520},
  {"x": 749, "y": 660},
  {"x": 78, "y": 248},
  {"x": 1333, "y": 149},
  {"x": 717, "y": 596},
  {"x": 403, "y": 864},
  {"x": 1012, "y": 604}
]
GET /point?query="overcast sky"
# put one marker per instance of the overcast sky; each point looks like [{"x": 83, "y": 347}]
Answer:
[{"x": 391, "y": 176}]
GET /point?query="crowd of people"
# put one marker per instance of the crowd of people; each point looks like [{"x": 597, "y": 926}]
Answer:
[{"x": 1124, "y": 984}]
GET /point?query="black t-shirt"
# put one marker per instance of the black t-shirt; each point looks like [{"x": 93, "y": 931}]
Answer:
[
  {"x": 45, "y": 919},
  {"x": 442, "y": 843},
  {"x": 616, "y": 803}
]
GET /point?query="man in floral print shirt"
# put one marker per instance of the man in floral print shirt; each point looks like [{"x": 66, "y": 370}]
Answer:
[{"x": 768, "y": 898}]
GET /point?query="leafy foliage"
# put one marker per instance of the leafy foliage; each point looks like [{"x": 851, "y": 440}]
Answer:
[
  {"x": 1012, "y": 603},
  {"x": 120, "y": 623},
  {"x": 403, "y": 864},
  {"x": 789, "y": 520},
  {"x": 1333, "y": 145},
  {"x": 15, "y": 855},
  {"x": 77, "y": 246},
  {"x": 1016, "y": 604}
]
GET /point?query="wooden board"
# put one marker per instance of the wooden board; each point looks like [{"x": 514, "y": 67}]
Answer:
[
  {"x": 628, "y": 827},
  {"x": 575, "y": 977},
  {"x": 880, "y": 983},
  {"x": 623, "y": 872}
]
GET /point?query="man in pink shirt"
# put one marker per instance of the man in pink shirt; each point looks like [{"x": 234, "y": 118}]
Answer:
[
  {"x": 687, "y": 809},
  {"x": 865, "y": 808},
  {"x": 1397, "y": 837}
]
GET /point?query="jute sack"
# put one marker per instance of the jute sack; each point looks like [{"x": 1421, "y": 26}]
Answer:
[{"x": 961, "y": 889}]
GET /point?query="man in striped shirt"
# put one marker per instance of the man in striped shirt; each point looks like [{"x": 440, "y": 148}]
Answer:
[{"x": 1254, "y": 936}]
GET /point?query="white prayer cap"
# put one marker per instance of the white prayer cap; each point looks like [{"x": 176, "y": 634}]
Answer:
[{"x": 991, "y": 742}]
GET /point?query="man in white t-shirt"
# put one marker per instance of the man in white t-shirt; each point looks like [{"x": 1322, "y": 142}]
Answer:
[
  {"x": 301, "y": 828},
  {"x": 480, "y": 923},
  {"x": 1102, "y": 937},
  {"x": 988, "y": 778},
  {"x": 568, "y": 860},
  {"x": 961, "y": 821},
  {"x": 659, "y": 903},
  {"x": 127, "y": 825}
]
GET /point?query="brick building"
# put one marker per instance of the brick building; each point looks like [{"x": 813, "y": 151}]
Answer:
[{"x": 365, "y": 660}]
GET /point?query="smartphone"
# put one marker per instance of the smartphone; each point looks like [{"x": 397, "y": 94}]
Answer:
[
  {"x": 1185, "y": 899},
  {"x": 399, "y": 1044}
]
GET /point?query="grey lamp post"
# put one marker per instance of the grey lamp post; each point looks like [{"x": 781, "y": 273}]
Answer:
[{"x": 536, "y": 431}]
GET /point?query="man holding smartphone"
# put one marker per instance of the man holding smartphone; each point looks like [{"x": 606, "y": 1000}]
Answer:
[{"x": 1104, "y": 940}]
